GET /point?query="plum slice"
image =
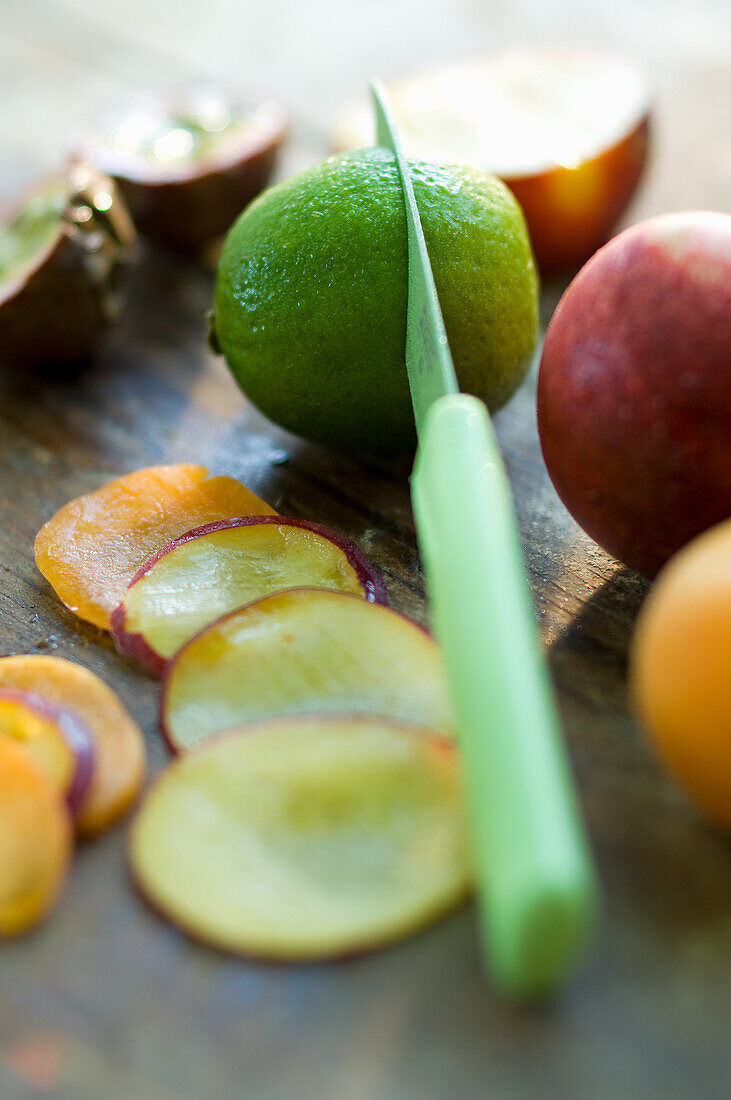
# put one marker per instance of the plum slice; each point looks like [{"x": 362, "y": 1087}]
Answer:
[
  {"x": 119, "y": 750},
  {"x": 305, "y": 838},
  {"x": 55, "y": 738},
  {"x": 35, "y": 840},
  {"x": 303, "y": 651},
  {"x": 90, "y": 551},
  {"x": 567, "y": 129},
  {"x": 187, "y": 160},
  {"x": 63, "y": 248},
  {"x": 221, "y": 566}
]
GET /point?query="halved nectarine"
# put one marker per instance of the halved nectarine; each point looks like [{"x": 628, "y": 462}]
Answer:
[
  {"x": 305, "y": 837},
  {"x": 55, "y": 738},
  {"x": 35, "y": 840},
  {"x": 218, "y": 567},
  {"x": 119, "y": 750},
  {"x": 565, "y": 128},
  {"x": 303, "y": 651},
  {"x": 93, "y": 547}
]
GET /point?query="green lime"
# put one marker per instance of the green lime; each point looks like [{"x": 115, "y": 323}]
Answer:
[{"x": 310, "y": 307}]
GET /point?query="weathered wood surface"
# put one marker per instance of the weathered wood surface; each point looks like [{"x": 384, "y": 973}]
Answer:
[{"x": 105, "y": 1001}]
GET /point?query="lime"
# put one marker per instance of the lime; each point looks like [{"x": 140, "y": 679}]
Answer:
[{"x": 310, "y": 308}]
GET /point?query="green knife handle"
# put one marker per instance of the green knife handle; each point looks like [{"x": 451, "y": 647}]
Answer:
[{"x": 528, "y": 843}]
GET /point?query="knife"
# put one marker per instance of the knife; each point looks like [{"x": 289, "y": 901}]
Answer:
[{"x": 535, "y": 883}]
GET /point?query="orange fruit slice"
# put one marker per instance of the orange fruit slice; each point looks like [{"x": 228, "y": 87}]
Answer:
[
  {"x": 35, "y": 840},
  {"x": 93, "y": 547},
  {"x": 119, "y": 750}
]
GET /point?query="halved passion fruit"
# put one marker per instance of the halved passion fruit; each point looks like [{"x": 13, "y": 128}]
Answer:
[
  {"x": 187, "y": 160},
  {"x": 62, "y": 248}
]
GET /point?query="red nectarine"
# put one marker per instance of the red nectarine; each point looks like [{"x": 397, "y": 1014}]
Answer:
[
  {"x": 36, "y": 840},
  {"x": 634, "y": 390}
]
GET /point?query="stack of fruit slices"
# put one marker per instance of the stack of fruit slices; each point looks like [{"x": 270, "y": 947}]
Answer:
[
  {"x": 314, "y": 806},
  {"x": 72, "y": 760}
]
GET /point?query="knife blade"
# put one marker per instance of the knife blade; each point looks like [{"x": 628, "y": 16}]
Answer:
[{"x": 536, "y": 888}]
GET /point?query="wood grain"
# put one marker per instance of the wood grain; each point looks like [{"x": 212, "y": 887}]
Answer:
[{"x": 107, "y": 1002}]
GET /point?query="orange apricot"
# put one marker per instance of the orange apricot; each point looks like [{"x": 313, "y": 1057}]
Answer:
[
  {"x": 35, "y": 840},
  {"x": 119, "y": 750},
  {"x": 680, "y": 667},
  {"x": 93, "y": 547}
]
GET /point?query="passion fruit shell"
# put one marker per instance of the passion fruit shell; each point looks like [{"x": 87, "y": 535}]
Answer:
[
  {"x": 187, "y": 160},
  {"x": 58, "y": 298}
]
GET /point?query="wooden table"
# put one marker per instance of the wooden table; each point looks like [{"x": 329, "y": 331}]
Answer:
[{"x": 105, "y": 1002}]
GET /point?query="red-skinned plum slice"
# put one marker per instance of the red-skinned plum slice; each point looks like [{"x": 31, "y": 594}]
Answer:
[
  {"x": 305, "y": 838},
  {"x": 304, "y": 651},
  {"x": 220, "y": 566},
  {"x": 54, "y": 738}
]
